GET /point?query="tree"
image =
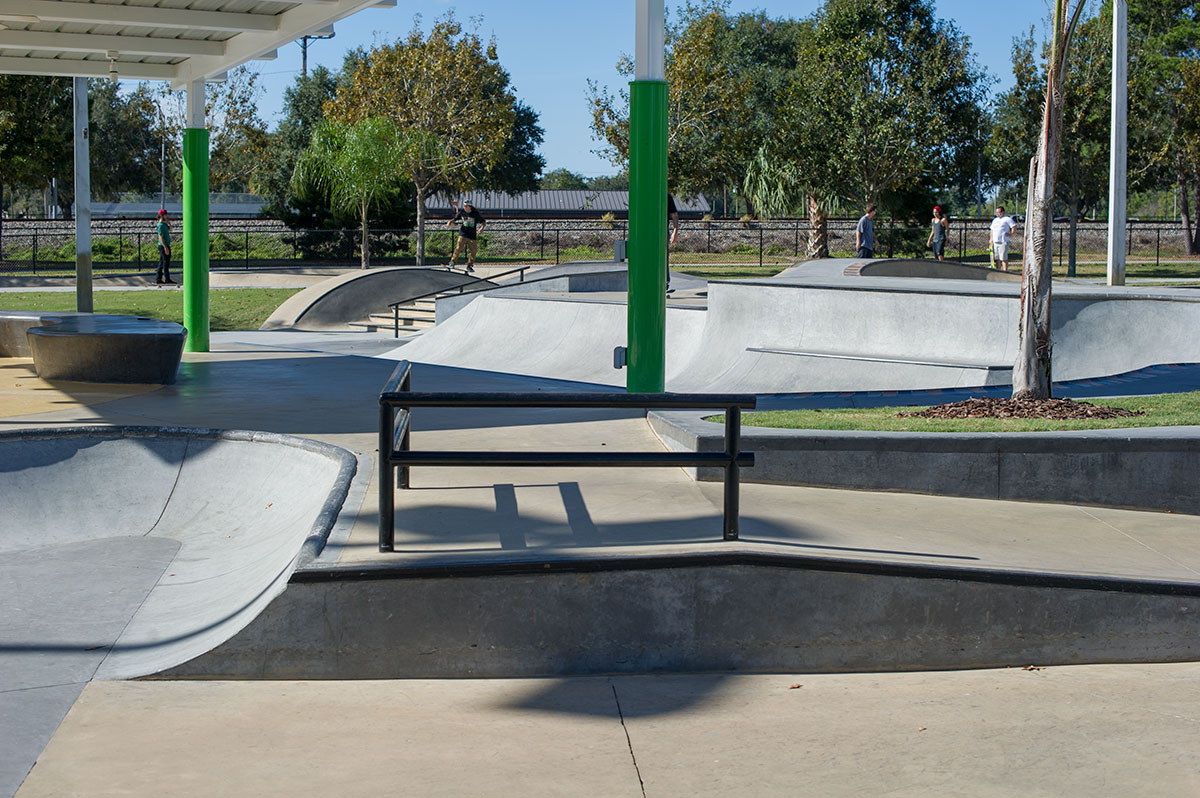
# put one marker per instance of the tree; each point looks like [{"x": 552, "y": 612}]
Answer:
[
  {"x": 1164, "y": 46},
  {"x": 520, "y": 166},
  {"x": 35, "y": 130},
  {"x": 723, "y": 73},
  {"x": 1085, "y": 136},
  {"x": 887, "y": 100},
  {"x": 1031, "y": 372},
  {"x": 563, "y": 179},
  {"x": 303, "y": 111},
  {"x": 357, "y": 165},
  {"x": 446, "y": 89},
  {"x": 127, "y": 135},
  {"x": 238, "y": 139}
]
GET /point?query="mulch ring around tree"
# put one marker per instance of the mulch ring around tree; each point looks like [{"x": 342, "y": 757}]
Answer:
[{"x": 1058, "y": 409}]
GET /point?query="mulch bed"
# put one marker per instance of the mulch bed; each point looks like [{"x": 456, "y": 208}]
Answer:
[{"x": 1058, "y": 409}]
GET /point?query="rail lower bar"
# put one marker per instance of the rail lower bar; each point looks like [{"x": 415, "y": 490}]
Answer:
[{"x": 574, "y": 459}]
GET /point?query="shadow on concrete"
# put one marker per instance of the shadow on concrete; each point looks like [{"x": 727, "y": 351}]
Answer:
[{"x": 620, "y": 697}]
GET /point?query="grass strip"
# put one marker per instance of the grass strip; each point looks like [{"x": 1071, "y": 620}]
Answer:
[
  {"x": 1161, "y": 410},
  {"x": 229, "y": 308}
]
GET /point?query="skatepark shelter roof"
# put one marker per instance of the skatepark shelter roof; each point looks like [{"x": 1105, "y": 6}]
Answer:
[{"x": 190, "y": 41}]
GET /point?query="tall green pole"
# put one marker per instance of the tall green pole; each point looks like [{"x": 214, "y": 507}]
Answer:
[
  {"x": 195, "y": 238},
  {"x": 647, "y": 314},
  {"x": 647, "y": 251}
]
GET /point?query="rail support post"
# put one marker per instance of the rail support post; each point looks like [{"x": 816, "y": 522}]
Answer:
[{"x": 733, "y": 445}]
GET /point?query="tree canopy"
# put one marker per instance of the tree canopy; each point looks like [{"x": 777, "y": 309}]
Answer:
[{"x": 448, "y": 87}]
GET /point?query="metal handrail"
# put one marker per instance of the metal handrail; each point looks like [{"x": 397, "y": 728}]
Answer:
[
  {"x": 395, "y": 306},
  {"x": 396, "y": 457}
]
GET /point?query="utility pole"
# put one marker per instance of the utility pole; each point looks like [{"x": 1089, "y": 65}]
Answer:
[
  {"x": 1119, "y": 144},
  {"x": 325, "y": 34}
]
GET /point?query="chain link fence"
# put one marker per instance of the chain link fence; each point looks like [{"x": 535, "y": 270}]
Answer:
[{"x": 118, "y": 247}]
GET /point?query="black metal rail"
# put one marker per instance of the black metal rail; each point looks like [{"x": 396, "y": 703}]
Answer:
[
  {"x": 395, "y": 306},
  {"x": 396, "y": 457}
]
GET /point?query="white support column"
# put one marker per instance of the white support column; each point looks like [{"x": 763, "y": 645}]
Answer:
[
  {"x": 83, "y": 200},
  {"x": 650, "y": 33},
  {"x": 195, "y": 104},
  {"x": 1119, "y": 145}
]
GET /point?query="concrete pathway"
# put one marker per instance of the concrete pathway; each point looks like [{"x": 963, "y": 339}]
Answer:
[{"x": 1078, "y": 731}]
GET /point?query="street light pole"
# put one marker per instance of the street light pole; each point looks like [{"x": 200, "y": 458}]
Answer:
[{"x": 1119, "y": 144}]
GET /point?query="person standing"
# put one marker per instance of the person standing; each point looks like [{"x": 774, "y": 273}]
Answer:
[
  {"x": 163, "y": 275},
  {"x": 673, "y": 223},
  {"x": 471, "y": 224},
  {"x": 864, "y": 233},
  {"x": 1001, "y": 234},
  {"x": 939, "y": 234}
]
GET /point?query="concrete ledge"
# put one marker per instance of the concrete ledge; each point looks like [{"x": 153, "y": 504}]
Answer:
[
  {"x": 726, "y": 611},
  {"x": 94, "y": 347},
  {"x": 98, "y": 348},
  {"x": 1148, "y": 468}
]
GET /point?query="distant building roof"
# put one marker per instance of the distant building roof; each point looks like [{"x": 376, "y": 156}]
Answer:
[{"x": 559, "y": 202}]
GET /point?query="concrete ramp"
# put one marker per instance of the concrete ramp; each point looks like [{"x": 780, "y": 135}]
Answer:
[
  {"x": 171, "y": 540},
  {"x": 826, "y": 326}
]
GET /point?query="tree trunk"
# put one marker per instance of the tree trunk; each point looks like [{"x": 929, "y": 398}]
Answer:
[
  {"x": 1185, "y": 211},
  {"x": 1, "y": 222},
  {"x": 1031, "y": 372},
  {"x": 818, "y": 229},
  {"x": 366, "y": 240},
  {"x": 1074, "y": 211},
  {"x": 1195, "y": 247},
  {"x": 420, "y": 226}
]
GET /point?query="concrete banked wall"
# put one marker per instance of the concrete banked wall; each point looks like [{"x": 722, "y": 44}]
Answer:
[
  {"x": 220, "y": 519},
  {"x": 827, "y": 325}
]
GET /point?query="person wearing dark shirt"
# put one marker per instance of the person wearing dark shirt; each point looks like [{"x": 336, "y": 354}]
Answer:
[
  {"x": 673, "y": 223},
  {"x": 471, "y": 224},
  {"x": 163, "y": 275}
]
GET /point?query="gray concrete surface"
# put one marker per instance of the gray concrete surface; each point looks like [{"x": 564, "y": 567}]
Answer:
[
  {"x": 1150, "y": 468},
  {"x": 126, "y": 550},
  {"x": 815, "y": 327},
  {"x": 1097, "y": 731}
]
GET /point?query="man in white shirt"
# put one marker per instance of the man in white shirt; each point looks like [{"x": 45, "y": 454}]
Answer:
[{"x": 1002, "y": 227}]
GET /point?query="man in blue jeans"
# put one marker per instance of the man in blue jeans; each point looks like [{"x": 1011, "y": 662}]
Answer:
[
  {"x": 864, "y": 234},
  {"x": 163, "y": 275}
]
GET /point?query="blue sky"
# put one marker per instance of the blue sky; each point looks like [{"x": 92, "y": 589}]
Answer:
[{"x": 551, "y": 49}]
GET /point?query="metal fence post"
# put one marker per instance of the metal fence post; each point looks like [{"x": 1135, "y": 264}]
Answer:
[
  {"x": 35, "y": 250},
  {"x": 556, "y": 240},
  {"x": 246, "y": 252},
  {"x": 733, "y": 445},
  {"x": 1157, "y": 245},
  {"x": 760, "y": 246}
]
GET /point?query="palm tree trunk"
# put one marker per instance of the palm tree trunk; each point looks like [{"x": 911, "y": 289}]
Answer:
[
  {"x": 420, "y": 225},
  {"x": 818, "y": 229},
  {"x": 366, "y": 239}
]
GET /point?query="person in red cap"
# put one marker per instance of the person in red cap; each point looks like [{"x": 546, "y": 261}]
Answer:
[
  {"x": 163, "y": 275},
  {"x": 939, "y": 234}
]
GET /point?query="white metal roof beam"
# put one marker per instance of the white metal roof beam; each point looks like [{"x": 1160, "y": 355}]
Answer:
[
  {"x": 84, "y": 69},
  {"x": 91, "y": 43},
  {"x": 141, "y": 16},
  {"x": 302, "y": 20}
]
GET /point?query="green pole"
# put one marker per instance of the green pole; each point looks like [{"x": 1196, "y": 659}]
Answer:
[
  {"x": 647, "y": 312},
  {"x": 195, "y": 238}
]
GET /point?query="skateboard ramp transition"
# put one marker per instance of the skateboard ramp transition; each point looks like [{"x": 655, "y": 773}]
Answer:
[{"x": 130, "y": 550}]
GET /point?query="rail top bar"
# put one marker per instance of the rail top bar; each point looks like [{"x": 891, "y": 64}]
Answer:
[
  {"x": 393, "y": 382},
  {"x": 566, "y": 400}
]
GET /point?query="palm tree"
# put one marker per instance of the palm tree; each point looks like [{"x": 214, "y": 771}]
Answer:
[
  {"x": 355, "y": 166},
  {"x": 1031, "y": 372}
]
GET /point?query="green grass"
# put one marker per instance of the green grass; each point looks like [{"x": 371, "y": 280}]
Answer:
[
  {"x": 1162, "y": 410},
  {"x": 229, "y": 308}
]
